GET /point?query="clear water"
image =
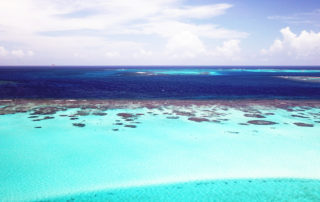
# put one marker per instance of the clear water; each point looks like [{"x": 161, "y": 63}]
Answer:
[{"x": 60, "y": 161}]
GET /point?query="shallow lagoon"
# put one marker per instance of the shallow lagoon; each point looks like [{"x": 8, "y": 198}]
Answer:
[{"x": 114, "y": 147}]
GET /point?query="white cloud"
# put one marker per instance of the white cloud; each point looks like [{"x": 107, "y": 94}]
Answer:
[
  {"x": 18, "y": 53},
  {"x": 303, "y": 46},
  {"x": 3, "y": 51},
  {"x": 142, "y": 53},
  {"x": 15, "y": 53},
  {"x": 112, "y": 54},
  {"x": 197, "y": 12},
  {"x": 230, "y": 49},
  {"x": 184, "y": 44},
  {"x": 169, "y": 28},
  {"x": 30, "y": 53},
  {"x": 94, "y": 31}
]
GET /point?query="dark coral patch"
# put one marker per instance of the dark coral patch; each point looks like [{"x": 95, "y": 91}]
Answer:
[
  {"x": 182, "y": 113},
  {"x": 38, "y": 127},
  {"x": 196, "y": 119},
  {"x": 261, "y": 122},
  {"x": 47, "y": 110},
  {"x": 99, "y": 113},
  {"x": 81, "y": 125},
  {"x": 130, "y": 126},
  {"x": 303, "y": 124},
  {"x": 48, "y": 117},
  {"x": 45, "y": 118},
  {"x": 115, "y": 129},
  {"x": 74, "y": 118},
  {"x": 125, "y": 115},
  {"x": 118, "y": 124},
  {"x": 63, "y": 115},
  {"x": 233, "y": 132},
  {"x": 299, "y": 116},
  {"x": 32, "y": 117},
  {"x": 82, "y": 113},
  {"x": 254, "y": 116},
  {"x": 269, "y": 113},
  {"x": 173, "y": 117}
]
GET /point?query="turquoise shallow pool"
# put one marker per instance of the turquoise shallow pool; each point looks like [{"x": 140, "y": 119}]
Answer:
[{"x": 77, "y": 152}]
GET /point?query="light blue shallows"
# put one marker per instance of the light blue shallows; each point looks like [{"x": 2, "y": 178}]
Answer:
[{"x": 61, "y": 160}]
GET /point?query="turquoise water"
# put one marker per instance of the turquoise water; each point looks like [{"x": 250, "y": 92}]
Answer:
[
  {"x": 60, "y": 159},
  {"x": 218, "y": 190},
  {"x": 214, "y": 72}
]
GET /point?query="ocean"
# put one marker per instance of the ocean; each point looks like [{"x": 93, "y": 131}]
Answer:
[
  {"x": 159, "y": 133},
  {"x": 158, "y": 83}
]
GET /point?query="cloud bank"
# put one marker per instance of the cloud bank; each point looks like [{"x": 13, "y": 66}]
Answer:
[
  {"x": 120, "y": 32},
  {"x": 295, "y": 47}
]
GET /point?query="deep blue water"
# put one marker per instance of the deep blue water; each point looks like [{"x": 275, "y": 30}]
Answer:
[{"x": 125, "y": 83}]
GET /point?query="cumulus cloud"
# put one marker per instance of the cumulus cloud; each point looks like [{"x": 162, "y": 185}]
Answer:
[
  {"x": 305, "y": 45},
  {"x": 230, "y": 49},
  {"x": 184, "y": 44},
  {"x": 61, "y": 28}
]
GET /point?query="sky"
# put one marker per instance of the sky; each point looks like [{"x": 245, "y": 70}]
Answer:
[{"x": 159, "y": 32}]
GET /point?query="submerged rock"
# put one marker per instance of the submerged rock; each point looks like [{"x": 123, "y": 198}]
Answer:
[
  {"x": 269, "y": 113},
  {"x": 130, "y": 126},
  {"x": 79, "y": 125},
  {"x": 254, "y": 116},
  {"x": 44, "y": 118},
  {"x": 303, "y": 124},
  {"x": 196, "y": 119},
  {"x": 99, "y": 113},
  {"x": 262, "y": 122},
  {"x": 82, "y": 113},
  {"x": 173, "y": 117},
  {"x": 47, "y": 110},
  {"x": 183, "y": 113},
  {"x": 299, "y": 116},
  {"x": 125, "y": 115},
  {"x": 48, "y": 117},
  {"x": 233, "y": 132}
]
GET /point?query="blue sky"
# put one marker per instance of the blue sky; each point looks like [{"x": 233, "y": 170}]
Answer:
[{"x": 159, "y": 32}]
